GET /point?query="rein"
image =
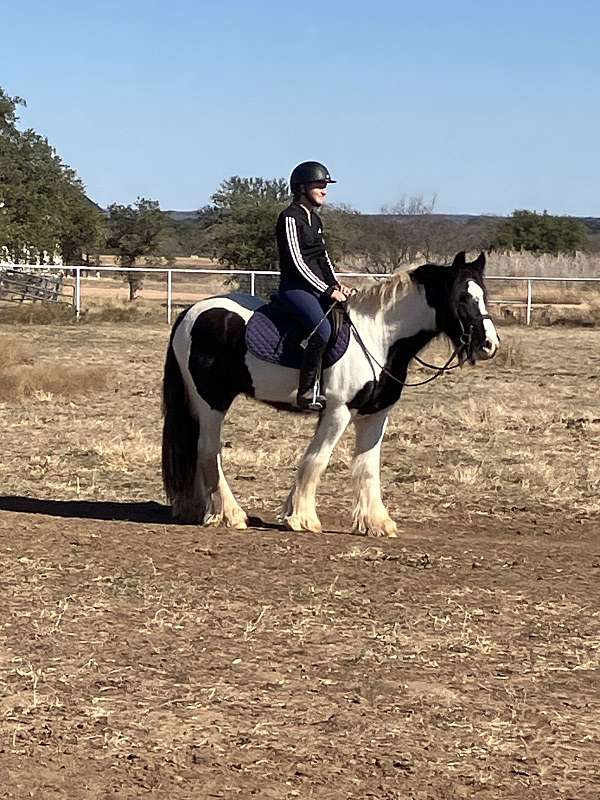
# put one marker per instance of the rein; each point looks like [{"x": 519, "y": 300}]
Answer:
[
  {"x": 439, "y": 370},
  {"x": 465, "y": 346}
]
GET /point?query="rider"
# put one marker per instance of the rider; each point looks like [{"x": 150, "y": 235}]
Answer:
[{"x": 308, "y": 284}]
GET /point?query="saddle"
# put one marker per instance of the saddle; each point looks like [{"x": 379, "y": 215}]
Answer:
[{"x": 274, "y": 335}]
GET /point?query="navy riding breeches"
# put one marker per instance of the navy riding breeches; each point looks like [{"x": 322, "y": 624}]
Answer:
[{"x": 309, "y": 310}]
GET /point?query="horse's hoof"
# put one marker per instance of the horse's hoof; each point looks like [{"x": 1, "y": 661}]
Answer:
[
  {"x": 237, "y": 520},
  {"x": 297, "y": 522},
  {"x": 383, "y": 528},
  {"x": 387, "y": 532}
]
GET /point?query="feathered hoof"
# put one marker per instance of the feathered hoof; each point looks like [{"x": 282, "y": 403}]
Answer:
[
  {"x": 380, "y": 528},
  {"x": 238, "y": 520},
  {"x": 301, "y": 522}
]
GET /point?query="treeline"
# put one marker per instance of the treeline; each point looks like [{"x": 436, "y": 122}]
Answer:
[
  {"x": 44, "y": 211},
  {"x": 237, "y": 229},
  {"x": 46, "y": 216}
]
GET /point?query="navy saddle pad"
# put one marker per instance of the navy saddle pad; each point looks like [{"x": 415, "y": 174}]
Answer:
[{"x": 274, "y": 335}]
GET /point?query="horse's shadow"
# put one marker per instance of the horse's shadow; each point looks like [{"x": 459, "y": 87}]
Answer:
[{"x": 147, "y": 513}]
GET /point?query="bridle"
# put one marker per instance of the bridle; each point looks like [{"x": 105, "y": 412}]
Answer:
[{"x": 465, "y": 348}]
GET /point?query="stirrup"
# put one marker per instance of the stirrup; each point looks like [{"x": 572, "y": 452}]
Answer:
[
  {"x": 311, "y": 405},
  {"x": 316, "y": 402}
]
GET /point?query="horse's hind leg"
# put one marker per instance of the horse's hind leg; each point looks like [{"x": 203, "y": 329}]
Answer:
[
  {"x": 299, "y": 512},
  {"x": 233, "y": 516},
  {"x": 216, "y": 498}
]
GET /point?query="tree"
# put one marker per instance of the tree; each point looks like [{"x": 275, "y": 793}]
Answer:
[
  {"x": 83, "y": 231},
  {"x": 192, "y": 234},
  {"x": 396, "y": 237},
  {"x": 134, "y": 231},
  {"x": 243, "y": 233},
  {"x": 44, "y": 211},
  {"x": 541, "y": 233},
  {"x": 344, "y": 231}
]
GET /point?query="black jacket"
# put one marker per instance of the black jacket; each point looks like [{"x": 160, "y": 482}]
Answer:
[{"x": 303, "y": 259}]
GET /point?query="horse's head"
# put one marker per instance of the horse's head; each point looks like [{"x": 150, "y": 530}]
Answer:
[
  {"x": 458, "y": 295},
  {"x": 467, "y": 320}
]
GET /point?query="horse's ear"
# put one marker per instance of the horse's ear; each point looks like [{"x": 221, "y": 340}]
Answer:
[
  {"x": 479, "y": 262},
  {"x": 459, "y": 260}
]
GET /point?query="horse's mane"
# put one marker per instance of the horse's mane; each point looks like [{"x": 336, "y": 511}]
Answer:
[{"x": 384, "y": 294}]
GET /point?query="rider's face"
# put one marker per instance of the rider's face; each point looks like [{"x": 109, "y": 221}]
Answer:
[{"x": 316, "y": 192}]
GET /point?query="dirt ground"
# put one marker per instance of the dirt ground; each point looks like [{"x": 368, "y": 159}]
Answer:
[{"x": 143, "y": 659}]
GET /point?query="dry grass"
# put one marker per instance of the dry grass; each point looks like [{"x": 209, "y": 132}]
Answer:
[
  {"x": 113, "y": 311},
  {"x": 25, "y": 373},
  {"x": 512, "y": 353},
  {"x": 99, "y": 310},
  {"x": 37, "y": 313},
  {"x": 581, "y": 265},
  {"x": 489, "y": 438}
]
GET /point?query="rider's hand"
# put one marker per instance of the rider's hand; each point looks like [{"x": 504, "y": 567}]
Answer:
[
  {"x": 339, "y": 296},
  {"x": 347, "y": 290}
]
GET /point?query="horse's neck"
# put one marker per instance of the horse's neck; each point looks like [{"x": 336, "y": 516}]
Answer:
[{"x": 408, "y": 316}]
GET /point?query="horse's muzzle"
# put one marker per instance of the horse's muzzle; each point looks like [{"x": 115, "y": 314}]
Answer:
[{"x": 487, "y": 350}]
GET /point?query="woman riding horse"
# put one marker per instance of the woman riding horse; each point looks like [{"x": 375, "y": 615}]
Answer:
[{"x": 308, "y": 284}]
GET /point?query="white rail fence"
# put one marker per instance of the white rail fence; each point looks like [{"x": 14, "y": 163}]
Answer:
[{"x": 81, "y": 272}]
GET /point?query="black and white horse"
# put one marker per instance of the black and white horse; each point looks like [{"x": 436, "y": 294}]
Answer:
[{"x": 208, "y": 365}]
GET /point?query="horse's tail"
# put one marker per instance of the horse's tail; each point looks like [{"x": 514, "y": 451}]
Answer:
[{"x": 179, "y": 437}]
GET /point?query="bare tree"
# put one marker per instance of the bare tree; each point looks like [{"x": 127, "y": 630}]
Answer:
[
  {"x": 413, "y": 206},
  {"x": 394, "y": 238},
  {"x": 410, "y": 230}
]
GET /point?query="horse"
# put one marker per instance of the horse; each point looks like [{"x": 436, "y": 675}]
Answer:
[{"x": 208, "y": 364}]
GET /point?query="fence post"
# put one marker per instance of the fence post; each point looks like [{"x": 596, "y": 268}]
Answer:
[
  {"x": 169, "y": 294},
  {"x": 529, "y": 295},
  {"x": 252, "y": 276},
  {"x": 77, "y": 292}
]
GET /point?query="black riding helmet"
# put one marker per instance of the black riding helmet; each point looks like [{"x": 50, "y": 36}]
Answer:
[{"x": 309, "y": 172}]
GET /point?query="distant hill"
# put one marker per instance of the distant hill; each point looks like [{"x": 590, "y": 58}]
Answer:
[
  {"x": 457, "y": 218},
  {"x": 181, "y": 216},
  {"x": 591, "y": 223}
]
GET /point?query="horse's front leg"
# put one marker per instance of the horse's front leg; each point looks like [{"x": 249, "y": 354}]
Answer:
[
  {"x": 370, "y": 515},
  {"x": 299, "y": 512}
]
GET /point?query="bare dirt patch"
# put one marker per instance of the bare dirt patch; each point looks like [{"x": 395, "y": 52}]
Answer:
[{"x": 141, "y": 658}]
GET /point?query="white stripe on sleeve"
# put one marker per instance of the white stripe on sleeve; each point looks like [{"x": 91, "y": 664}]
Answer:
[
  {"x": 330, "y": 265},
  {"x": 294, "y": 246}
]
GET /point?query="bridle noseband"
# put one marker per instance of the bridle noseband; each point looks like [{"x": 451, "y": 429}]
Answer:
[{"x": 466, "y": 335}]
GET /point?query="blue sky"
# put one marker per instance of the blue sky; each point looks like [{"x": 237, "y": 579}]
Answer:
[{"x": 492, "y": 106}]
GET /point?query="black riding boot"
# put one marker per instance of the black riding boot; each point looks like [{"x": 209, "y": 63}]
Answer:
[{"x": 309, "y": 397}]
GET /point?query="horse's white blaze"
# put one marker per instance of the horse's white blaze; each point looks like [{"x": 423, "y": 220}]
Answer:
[{"x": 491, "y": 334}]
